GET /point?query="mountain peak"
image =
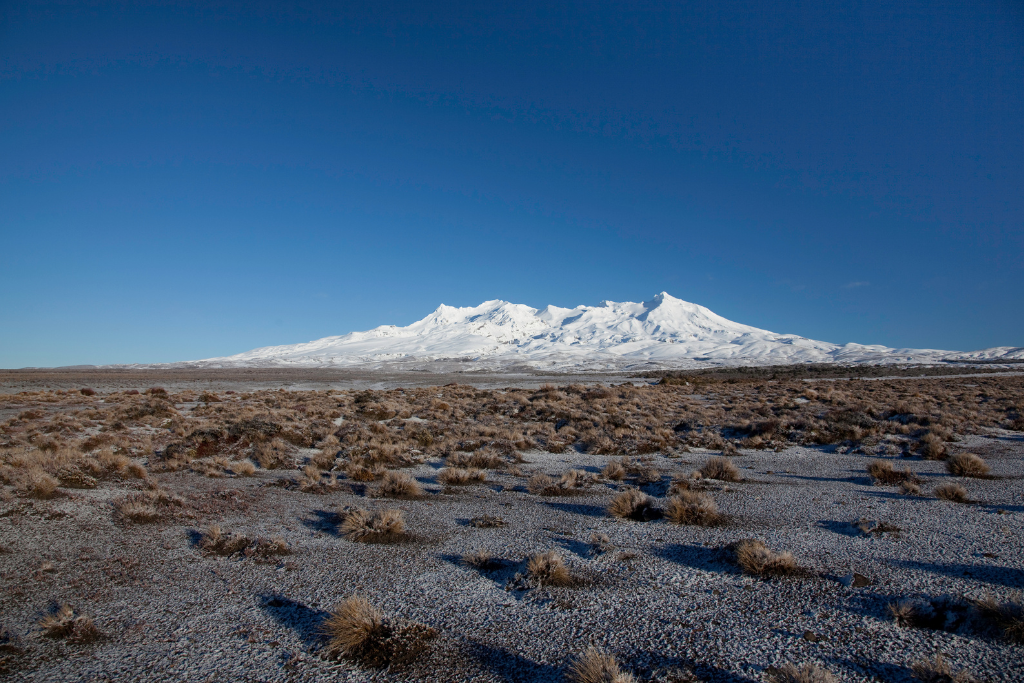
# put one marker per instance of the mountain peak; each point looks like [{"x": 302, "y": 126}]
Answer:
[{"x": 662, "y": 332}]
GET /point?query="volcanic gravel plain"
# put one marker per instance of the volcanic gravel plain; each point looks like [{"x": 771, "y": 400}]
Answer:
[{"x": 177, "y": 533}]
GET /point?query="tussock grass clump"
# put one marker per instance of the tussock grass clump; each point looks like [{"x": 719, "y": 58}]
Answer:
[
  {"x": 358, "y": 630},
  {"x": 938, "y": 670},
  {"x": 595, "y": 666},
  {"x": 632, "y": 503},
  {"x": 692, "y": 507},
  {"x": 360, "y": 472},
  {"x": 1007, "y": 617},
  {"x": 137, "y": 509},
  {"x": 910, "y": 488},
  {"x": 807, "y": 673},
  {"x": 568, "y": 483},
  {"x": 967, "y": 465},
  {"x": 276, "y": 454},
  {"x": 614, "y": 471},
  {"x": 954, "y": 493},
  {"x": 243, "y": 468},
  {"x": 548, "y": 569},
  {"x": 215, "y": 541},
  {"x": 457, "y": 476},
  {"x": 721, "y": 469},
  {"x": 482, "y": 459},
  {"x": 933, "y": 447},
  {"x": 398, "y": 485},
  {"x": 480, "y": 559},
  {"x": 755, "y": 558},
  {"x": 380, "y": 526},
  {"x": 64, "y": 623},
  {"x": 883, "y": 473},
  {"x": 148, "y": 506}
]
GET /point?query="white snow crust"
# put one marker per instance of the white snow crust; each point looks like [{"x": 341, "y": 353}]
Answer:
[{"x": 664, "y": 332}]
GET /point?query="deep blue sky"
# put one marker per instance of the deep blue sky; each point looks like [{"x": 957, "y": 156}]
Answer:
[{"x": 182, "y": 180}]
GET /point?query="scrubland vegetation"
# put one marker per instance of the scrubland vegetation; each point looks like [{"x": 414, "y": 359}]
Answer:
[{"x": 366, "y": 468}]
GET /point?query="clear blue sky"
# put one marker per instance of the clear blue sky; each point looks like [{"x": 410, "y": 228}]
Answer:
[{"x": 182, "y": 180}]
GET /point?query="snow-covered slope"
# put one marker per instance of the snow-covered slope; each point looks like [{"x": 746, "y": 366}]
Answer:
[{"x": 662, "y": 332}]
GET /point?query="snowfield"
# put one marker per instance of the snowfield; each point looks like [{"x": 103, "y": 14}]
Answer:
[{"x": 664, "y": 332}]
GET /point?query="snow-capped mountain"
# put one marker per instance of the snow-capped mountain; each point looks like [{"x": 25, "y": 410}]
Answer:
[{"x": 662, "y": 332}]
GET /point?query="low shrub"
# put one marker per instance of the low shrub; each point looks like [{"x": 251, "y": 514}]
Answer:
[
  {"x": 358, "y": 630},
  {"x": 64, "y": 623},
  {"x": 755, "y": 558},
  {"x": 548, "y": 569},
  {"x": 632, "y": 503},
  {"x": 721, "y": 469},
  {"x": 691, "y": 507},
  {"x": 967, "y": 465},
  {"x": 1006, "y": 617},
  {"x": 381, "y": 526},
  {"x": 938, "y": 670},
  {"x": 595, "y": 666},
  {"x": 398, "y": 485},
  {"x": 951, "y": 492}
]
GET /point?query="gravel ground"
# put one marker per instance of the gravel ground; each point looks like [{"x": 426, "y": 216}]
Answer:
[{"x": 665, "y": 597}]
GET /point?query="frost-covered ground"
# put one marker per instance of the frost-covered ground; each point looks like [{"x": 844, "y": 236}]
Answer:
[{"x": 664, "y": 597}]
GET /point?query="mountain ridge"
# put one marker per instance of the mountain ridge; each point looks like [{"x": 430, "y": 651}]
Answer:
[{"x": 661, "y": 332}]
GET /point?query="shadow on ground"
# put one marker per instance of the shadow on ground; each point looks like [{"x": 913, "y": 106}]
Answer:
[
  {"x": 696, "y": 557},
  {"x": 1002, "y": 576},
  {"x": 322, "y": 520},
  {"x": 305, "y": 621},
  {"x": 578, "y": 509},
  {"x": 512, "y": 667}
]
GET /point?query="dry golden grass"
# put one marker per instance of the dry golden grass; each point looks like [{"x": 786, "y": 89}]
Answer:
[
  {"x": 569, "y": 483},
  {"x": 352, "y": 624},
  {"x": 904, "y": 612},
  {"x": 137, "y": 508},
  {"x": 807, "y": 673},
  {"x": 243, "y": 468},
  {"x": 480, "y": 559},
  {"x": 721, "y": 469},
  {"x": 632, "y": 503},
  {"x": 883, "y": 473},
  {"x": 691, "y": 507},
  {"x": 548, "y": 569},
  {"x": 358, "y": 630},
  {"x": 755, "y": 558},
  {"x": 933, "y": 447},
  {"x": 938, "y": 670},
  {"x": 380, "y": 526},
  {"x": 954, "y": 493},
  {"x": 967, "y": 465},
  {"x": 64, "y": 623},
  {"x": 614, "y": 471},
  {"x": 595, "y": 666},
  {"x": 1006, "y": 617},
  {"x": 215, "y": 541},
  {"x": 398, "y": 485},
  {"x": 457, "y": 476},
  {"x": 910, "y": 488},
  {"x": 359, "y": 472}
]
